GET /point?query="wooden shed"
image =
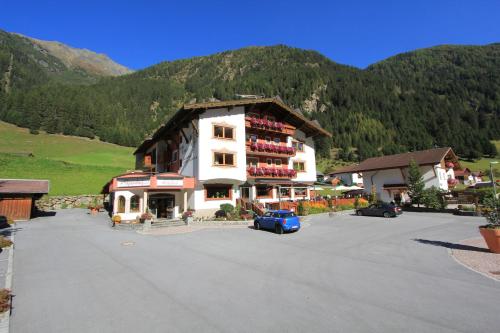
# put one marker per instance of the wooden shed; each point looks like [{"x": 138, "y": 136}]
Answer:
[{"x": 18, "y": 196}]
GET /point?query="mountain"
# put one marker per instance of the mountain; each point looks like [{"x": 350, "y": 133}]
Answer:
[
  {"x": 81, "y": 59},
  {"x": 27, "y": 62},
  {"x": 440, "y": 96}
]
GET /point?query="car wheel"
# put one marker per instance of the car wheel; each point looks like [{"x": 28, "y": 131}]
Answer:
[
  {"x": 256, "y": 225},
  {"x": 359, "y": 213},
  {"x": 278, "y": 229},
  {"x": 386, "y": 214}
]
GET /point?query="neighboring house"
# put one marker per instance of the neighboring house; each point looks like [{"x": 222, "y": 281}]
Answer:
[
  {"x": 320, "y": 176},
  {"x": 347, "y": 177},
  {"x": 465, "y": 176},
  {"x": 389, "y": 174},
  {"x": 18, "y": 196},
  {"x": 213, "y": 153}
]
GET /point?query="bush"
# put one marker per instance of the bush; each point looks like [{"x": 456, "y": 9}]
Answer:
[
  {"x": 433, "y": 198},
  {"x": 227, "y": 208},
  {"x": 345, "y": 207},
  {"x": 302, "y": 209},
  {"x": 491, "y": 211}
]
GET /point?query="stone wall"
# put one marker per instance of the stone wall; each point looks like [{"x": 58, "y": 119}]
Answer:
[{"x": 66, "y": 201}]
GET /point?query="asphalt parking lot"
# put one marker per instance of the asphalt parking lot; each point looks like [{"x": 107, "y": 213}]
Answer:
[{"x": 73, "y": 273}]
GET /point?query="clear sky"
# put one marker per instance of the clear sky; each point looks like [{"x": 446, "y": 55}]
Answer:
[{"x": 141, "y": 33}]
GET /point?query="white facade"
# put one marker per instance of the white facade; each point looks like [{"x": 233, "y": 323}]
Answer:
[
  {"x": 196, "y": 145},
  {"x": 433, "y": 175}
]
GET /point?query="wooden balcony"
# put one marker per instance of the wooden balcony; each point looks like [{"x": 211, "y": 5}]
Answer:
[
  {"x": 269, "y": 149},
  {"x": 263, "y": 125}
]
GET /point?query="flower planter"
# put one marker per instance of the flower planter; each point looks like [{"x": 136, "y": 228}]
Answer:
[{"x": 492, "y": 238}]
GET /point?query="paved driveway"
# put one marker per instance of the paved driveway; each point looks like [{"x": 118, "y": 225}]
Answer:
[{"x": 72, "y": 273}]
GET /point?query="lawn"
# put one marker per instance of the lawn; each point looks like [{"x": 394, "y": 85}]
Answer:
[{"x": 73, "y": 165}]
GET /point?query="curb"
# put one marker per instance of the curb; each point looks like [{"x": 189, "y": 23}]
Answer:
[{"x": 5, "y": 317}]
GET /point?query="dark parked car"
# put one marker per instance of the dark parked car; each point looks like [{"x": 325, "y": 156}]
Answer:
[
  {"x": 380, "y": 209},
  {"x": 278, "y": 220}
]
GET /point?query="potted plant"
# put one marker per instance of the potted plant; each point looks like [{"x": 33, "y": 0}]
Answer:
[
  {"x": 491, "y": 231},
  {"x": 95, "y": 206},
  {"x": 187, "y": 216},
  {"x": 116, "y": 219},
  {"x": 147, "y": 216}
]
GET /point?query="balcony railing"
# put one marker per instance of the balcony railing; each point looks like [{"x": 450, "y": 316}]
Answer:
[
  {"x": 269, "y": 125},
  {"x": 269, "y": 148},
  {"x": 271, "y": 172}
]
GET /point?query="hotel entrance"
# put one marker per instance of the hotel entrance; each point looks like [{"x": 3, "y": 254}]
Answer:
[{"x": 162, "y": 205}]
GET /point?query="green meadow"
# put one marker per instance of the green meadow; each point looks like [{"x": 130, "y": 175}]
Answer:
[{"x": 73, "y": 165}]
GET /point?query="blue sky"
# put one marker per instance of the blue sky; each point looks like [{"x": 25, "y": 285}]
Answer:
[{"x": 141, "y": 33}]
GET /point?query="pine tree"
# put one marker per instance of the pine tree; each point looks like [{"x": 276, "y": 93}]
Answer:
[{"x": 415, "y": 183}]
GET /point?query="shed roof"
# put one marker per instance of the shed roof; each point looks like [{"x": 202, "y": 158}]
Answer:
[
  {"x": 27, "y": 186},
  {"x": 310, "y": 127}
]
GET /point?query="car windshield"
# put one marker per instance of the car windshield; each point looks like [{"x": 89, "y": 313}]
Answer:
[{"x": 290, "y": 214}]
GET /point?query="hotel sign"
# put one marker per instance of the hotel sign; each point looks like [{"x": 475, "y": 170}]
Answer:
[
  {"x": 170, "y": 182},
  {"x": 133, "y": 182}
]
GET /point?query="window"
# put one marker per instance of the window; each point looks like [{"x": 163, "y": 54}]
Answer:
[
  {"x": 299, "y": 166},
  {"x": 218, "y": 192},
  {"x": 271, "y": 118},
  {"x": 253, "y": 115},
  {"x": 277, "y": 141},
  {"x": 252, "y": 162},
  {"x": 224, "y": 159},
  {"x": 299, "y": 146},
  {"x": 264, "y": 191},
  {"x": 300, "y": 192},
  {"x": 253, "y": 138},
  {"x": 269, "y": 161},
  {"x": 175, "y": 155},
  {"x": 134, "y": 203},
  {"x": 223, "y": 132},
  {"x": 285, "y": 191},
  {"x": 121, "y": 204},
  {"x": 277, "y": 163},
  {"x": 268, "y": 139}
]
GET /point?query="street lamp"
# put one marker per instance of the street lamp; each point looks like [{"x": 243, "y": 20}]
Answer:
[{"x": 493, "y": 179}]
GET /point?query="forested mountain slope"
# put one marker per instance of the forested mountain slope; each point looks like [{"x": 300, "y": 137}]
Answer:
[{"x": 438, "y": 96}]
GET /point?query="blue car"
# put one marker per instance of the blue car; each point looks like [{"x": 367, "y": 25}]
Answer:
[{"x": 277, "y": 220}]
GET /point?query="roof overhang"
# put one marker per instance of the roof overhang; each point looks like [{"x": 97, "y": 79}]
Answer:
[{"x": 190, "y": 111}]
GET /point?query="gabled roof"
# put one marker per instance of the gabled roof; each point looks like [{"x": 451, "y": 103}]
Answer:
[
  {"x": 188, "y": 111},
  {"x": 25, "y": 186},
  {"x": 347, "y": 169},
  {"x": 422, "y": 157}
]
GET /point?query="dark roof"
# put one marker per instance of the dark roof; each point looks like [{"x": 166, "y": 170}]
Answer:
[
  {"x": 347, "y": 169},
  {"x": 422, "y": 157},
  {"x": 31, "y": 186},
  {"x": 311, "y": 128}
]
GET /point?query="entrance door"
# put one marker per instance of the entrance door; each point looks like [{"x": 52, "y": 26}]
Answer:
[
  {"x": 162, "y": 205},
  {"x": 245, "y": 192}
]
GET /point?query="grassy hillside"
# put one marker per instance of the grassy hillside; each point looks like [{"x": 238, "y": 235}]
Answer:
[{"x": 73, "y": 165}]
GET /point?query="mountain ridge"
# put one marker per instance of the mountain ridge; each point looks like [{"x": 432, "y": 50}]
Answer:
[{"x": 385, "y": 108}]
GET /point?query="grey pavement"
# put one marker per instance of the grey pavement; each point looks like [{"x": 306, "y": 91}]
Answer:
[{"x": 73, "y": 273}]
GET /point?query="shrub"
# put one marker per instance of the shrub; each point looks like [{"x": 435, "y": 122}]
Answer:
[
  {"x": 227, "y": 208},
  {"x": 433, "y": 198},
  {"x": 5, "y": 297},
  {"x": 491, "y": 211},
  {"x": 5, "y": 242}
]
